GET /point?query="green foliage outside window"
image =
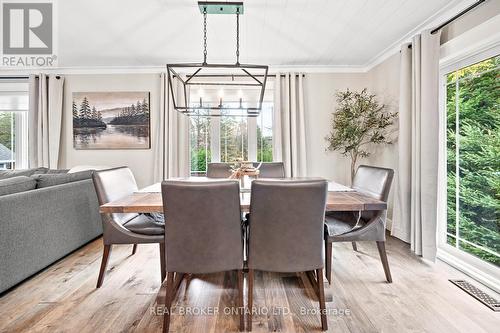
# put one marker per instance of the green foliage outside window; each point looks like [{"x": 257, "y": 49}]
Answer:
[
  {"x": 6, "y": 132},
  {"x": 474, "y": 133}
]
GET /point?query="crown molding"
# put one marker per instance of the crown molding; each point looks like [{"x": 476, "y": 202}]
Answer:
[
  {"x": 440, "y": 16},
  {"x": 96, "y": 70},
  {"x": 86, "y": 70},
  {"x": 319, "y": 69}
]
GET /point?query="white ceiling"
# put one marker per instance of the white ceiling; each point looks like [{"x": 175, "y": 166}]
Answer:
[{"x": 275, "y": 32}]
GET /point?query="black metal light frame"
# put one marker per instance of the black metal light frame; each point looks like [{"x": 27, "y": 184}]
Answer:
[{"x": 244, "y": 70}]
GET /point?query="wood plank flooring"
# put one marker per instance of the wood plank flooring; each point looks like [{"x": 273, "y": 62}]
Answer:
[{"x": 63, "y": 298}]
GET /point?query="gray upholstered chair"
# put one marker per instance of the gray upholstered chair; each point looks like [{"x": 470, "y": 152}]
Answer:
[
  {"x": 202, "y": 233},
  {"x": 130, "y": 228},
  {"x": 286, "y": 232},
  {"x": 361, "y": 226},
  {"x": 271, "y": 169},
  {"x": 219, "y": 170}
]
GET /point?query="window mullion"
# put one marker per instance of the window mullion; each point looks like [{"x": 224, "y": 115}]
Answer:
[
  {"x": 252, "y": 138},
  {"x": 215, "y": 132}
]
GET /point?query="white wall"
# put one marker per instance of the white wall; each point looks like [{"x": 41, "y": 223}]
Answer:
[{"x": 139, "y": 160}]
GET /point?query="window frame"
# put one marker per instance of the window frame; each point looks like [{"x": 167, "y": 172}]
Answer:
[
  {"x": 21, "y": 122},
  {"x": 215, "y": 132},
  {"x": 482, "y": 271}
]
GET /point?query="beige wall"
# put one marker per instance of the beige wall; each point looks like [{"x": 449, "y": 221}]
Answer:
[
  {"x": 320, "y": 103},
  {"x": 384, "y": 82},
  {"x": 139, "y": 160},
  {"x": 477, "y": 16}
]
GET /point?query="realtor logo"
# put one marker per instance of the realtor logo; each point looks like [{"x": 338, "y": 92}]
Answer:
[
  {"x": 28, "y": 33},
  {"x": 27, "y": 28}
]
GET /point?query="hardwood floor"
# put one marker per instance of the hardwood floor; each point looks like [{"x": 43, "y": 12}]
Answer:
[{"x": 63, "y": 298}]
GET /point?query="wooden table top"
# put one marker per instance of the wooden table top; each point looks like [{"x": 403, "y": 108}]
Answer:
[{"x": 151, "y": 202}]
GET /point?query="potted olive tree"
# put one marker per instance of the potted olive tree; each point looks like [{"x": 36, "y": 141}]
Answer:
[{"x": 358, "y": 120}]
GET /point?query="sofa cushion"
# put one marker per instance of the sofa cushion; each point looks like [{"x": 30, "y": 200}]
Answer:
[
  {"x": 4, "y": 174},
  {"x": 56, "y": 171},
  {"x": 16, "y": 184},
  {"x": 47, "y": 180}
]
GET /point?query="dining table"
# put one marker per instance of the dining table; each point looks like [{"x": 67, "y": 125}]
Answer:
[{"x": 149, "y": 199}]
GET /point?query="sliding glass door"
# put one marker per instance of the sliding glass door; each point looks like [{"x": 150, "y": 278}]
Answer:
[{"x": 473, "y": 160}]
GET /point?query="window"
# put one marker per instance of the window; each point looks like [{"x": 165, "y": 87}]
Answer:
[
  {"x": 473, "y": 160},
  {"x": 265, "y": 134},
  {"x": 199, "y": 140},
  {"x": 13, "y": 125},
  {"x": 230, "y": 137}
]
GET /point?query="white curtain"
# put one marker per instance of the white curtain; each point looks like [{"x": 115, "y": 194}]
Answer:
[
  {"x": 45, "y": 120},
  {"x": 289, "y": 137},
  {"x": 171, "y": 144},
  {"x": 415, "y": 212}
]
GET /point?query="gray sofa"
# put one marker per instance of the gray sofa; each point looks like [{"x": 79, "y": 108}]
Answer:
[{"x": 44, "y": 215}]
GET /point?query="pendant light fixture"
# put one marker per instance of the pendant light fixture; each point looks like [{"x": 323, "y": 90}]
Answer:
[{"x": 209, "y": 89}]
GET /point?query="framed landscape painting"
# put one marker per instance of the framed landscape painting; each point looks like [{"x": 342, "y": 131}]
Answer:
[{"x": 111, "y": 120}]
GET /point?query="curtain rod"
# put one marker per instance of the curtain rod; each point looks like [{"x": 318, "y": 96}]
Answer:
[
  {"x": 463, "y": 12},
  {"x": 21, "y": 77},
  {"x": 239, "y": 75},
  {"x": 14, "y": 77}
]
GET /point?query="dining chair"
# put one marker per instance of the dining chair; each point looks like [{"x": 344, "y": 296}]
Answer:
[
  {"x": 364, "y": 225},
  {"x": 270, "y": 169},
  {"x": 202, "y": 234},
  {"x": 286, "y": 232},
  {"x": 124, "y": 228},
  {"x": 219, "y": 170}
]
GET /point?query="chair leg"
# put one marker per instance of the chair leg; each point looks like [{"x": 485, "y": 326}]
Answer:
[
  {"x": 104, "y": 264},
  {"x": 162, "y": 262},
  {"x": 250, "y": 299},
  {"x": 322, "y": 306},
  {"x": 134, "y": 249},
  {"x": 328, "y": 261},
  {"x": 241, "y": 309},
  {"x": 354, "y": 246},
  {"x": 383, "y": 258},
  {"x": 169, "y": 295}
]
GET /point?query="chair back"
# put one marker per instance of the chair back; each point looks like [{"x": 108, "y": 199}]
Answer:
[
  {"x": 286, "y": 225},
  {"x": 203, "y": 226},
  {"x": 373, "y": 181},
  {"x": 219, "y": 170},
  {"x": 271, "y": 169},
  {"x": 114, "y": 184}
]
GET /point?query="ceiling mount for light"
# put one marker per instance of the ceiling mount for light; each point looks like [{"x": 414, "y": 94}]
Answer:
[
  {"x": 220, "y": 7},
  {"x": 208, "y": 77}
]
